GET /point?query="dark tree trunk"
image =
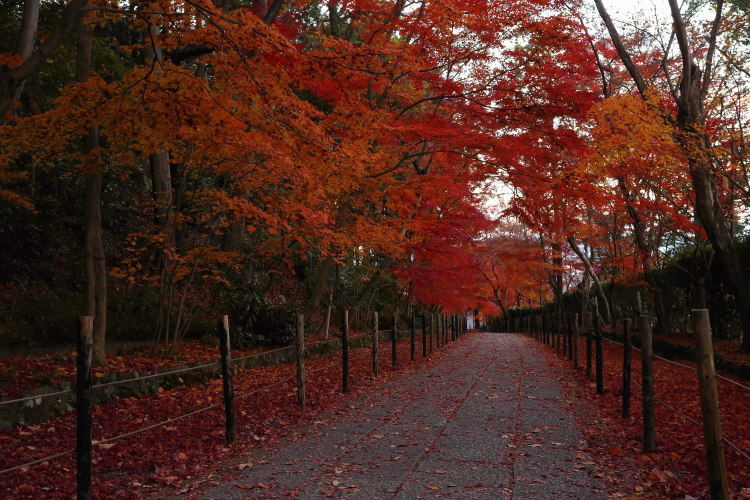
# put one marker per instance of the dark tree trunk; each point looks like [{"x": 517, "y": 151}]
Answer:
[
  {"x": 313, "y": 302},
  {"x": 96, "y": 267}
]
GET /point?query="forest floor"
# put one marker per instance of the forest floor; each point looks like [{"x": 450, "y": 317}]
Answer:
[
  {"x": 21, "y": 373},
  {"x": 728, "y": 349}
]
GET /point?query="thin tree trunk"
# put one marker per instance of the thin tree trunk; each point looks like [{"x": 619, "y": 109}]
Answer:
[
  {"x": 313, "y": 302},
  {"x": 26, "y": 39},
  {"x": 594, "y": 277},
  {"x": 235, "y": 235},
  {"x": 96, "y": 267},
  {"x": 663, "y": 318},
  {"x": 13, "y": 79},
  {"x": 556, "y": 274},
  {"x": 370, "y": 285},
  {"x": 328, "y": 313}
]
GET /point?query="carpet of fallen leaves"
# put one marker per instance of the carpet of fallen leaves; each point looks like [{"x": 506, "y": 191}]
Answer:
[
  {"x": 677, "y": 469},
  {"x": 19, "y": 374},
  {"x": 177, "y": 456},
  {"x": 728, "y": 349}
]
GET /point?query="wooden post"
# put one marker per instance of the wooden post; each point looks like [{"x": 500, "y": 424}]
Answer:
[
  {"x": 301, "y": 362},
  {"x": 589, "y": 335},
  {"x": 599, "y": 356},
  {"x": 226, "y": 377},
  {"x": 393, "y": 342},
  {"x": 576, "y": 363},
  {"x": 432, "y": 330},
  {"x": 626, "y": 369},
  {"x": 712, "y": 437},
  {"x": 328, "y": 313},
  {"x": 439, "y": 331},
  {"x": 83, "y": 408},
  {"x": 345, "y": 353},
  {"x": 424, "y": 335},
  {"x": 647, "y": 383},
  {"x": 570, "y": 336},
  {"x": 449, "y": 329},
  {"x": 442, "y": 330},
  {"x": 413, "y": 334},
  {"x": 375, "y": 339}
]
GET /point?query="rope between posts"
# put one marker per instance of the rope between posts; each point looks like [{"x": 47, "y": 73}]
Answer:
[
  {"x": 145, "y": 377},
  {"x": 686, "y": 366},
  {"x": 137, "y": 431},
  {"x": 736, "y": 448},
  {"x": 338, "y": 339},
  {"x": 29, "y": 464},
  {"x": 262, "y": 353},
  {"x": 154, "y": 426},
  {"x": 35, "y": 397},
  {"x": 154, "y": 375}
]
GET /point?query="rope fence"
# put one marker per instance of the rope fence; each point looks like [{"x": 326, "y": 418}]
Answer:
[
  {"x": 225, "y": 362},
  {"x": 562, "y": 335},
  {"x": 163, "y": 374},
  {"x": 721, "y": 377}
]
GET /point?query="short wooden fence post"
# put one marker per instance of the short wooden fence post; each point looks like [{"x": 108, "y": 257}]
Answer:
[
  {"x": 432, "y": 331},
  {"x": 393, "y": 341},
  {"x": 576, "y": 363},
  {"x": 712, "y": 437},
  {"x": 647, "y": 383},
  {"x": 375, "y": 347},
  {"x": 589, "y": 335},
  {"x": 83, "y": 408},
  {"x": 445, "y": 330},
  {"x": 301, "y": 402},
  {"x": 345, "y": 353},
  {"x": 413, "y": 334},
  {"x": 599, "y": 356},
  {"x": 226, "y": 376},
  {"x": 570, "y": 336},
  {"x": 440, "y": 330},
  {"x": 424, "y": 335},
  {"x": 626, "y": 349}
]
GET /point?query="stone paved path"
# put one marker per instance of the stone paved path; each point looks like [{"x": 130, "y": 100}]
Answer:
[{"x": 486, "y": 422}]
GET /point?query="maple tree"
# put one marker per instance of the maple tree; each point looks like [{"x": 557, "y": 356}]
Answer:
[{"x": 275, "y": 137}]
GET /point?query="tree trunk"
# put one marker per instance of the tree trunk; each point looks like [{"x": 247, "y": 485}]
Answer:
[
  {"x": 96, "y": 267},
  {"x": 556, "y": 274},
  {"x": 13, "y": 79},
  {"x": 594, "y": 277},
  {"x": 663, "y": 317},
  {"x": 370, "y": 285},
  {"x": 689, "y": 127},
  {"x": 26, "y": 39},
  {"x": 235, "y": 235},
  {"x": 319, "y": 287}
]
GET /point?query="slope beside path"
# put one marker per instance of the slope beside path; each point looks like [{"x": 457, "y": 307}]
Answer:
[{"x": 489, "y": 421}]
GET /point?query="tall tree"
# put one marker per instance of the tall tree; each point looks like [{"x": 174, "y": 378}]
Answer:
[{"x": 690, "y": 132}]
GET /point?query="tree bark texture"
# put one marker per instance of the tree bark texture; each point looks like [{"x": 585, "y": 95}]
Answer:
[
  {"x": 13, "y": 79},
  {"x": 95, "y": 263}
]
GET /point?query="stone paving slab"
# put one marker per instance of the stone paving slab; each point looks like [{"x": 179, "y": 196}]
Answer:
[{"x": 488, "y": 421}]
